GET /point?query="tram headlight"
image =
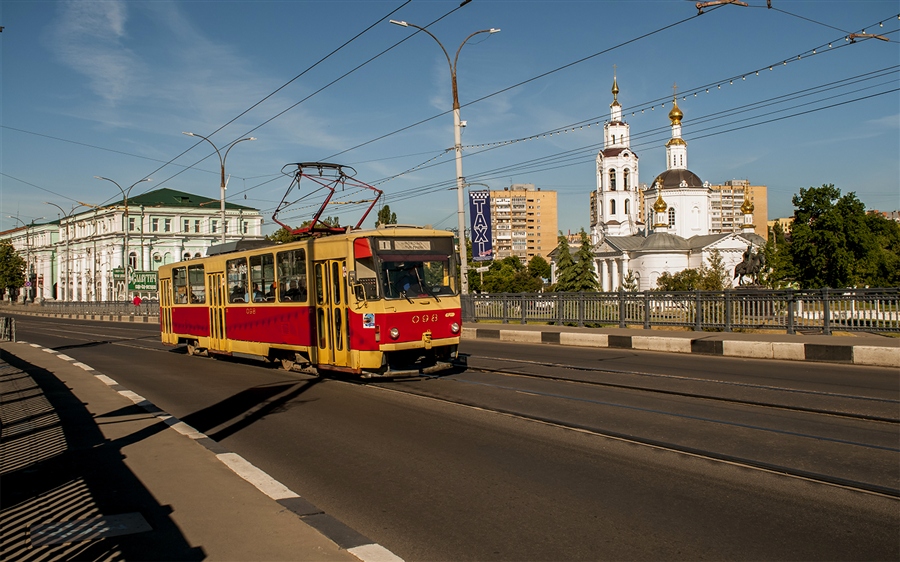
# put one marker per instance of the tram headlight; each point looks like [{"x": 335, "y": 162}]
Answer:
[
  {"x": 454, "y": 328},
  {"x": 395, "y": 333}
]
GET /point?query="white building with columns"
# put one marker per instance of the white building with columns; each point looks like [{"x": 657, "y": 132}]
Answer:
[
  {"x": 82, "y": 256},
  {"x": 676, "y": 233}
]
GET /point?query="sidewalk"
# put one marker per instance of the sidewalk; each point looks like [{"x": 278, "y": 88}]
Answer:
[
  {"x": 856, "y": 349},
  {"x": 92, "y": 471}
]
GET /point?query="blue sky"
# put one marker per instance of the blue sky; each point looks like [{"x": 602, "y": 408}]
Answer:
[{"x": 106, "y": 88}]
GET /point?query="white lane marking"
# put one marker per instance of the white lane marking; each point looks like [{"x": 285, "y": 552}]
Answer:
[
  {"x": 65, "y": 357},
  {"x": 182, "y": 427},
  {"x": 263, "y": 482},
  {"x": 106, "y": 380},
  {"x": 83, "y": 366},
  {"x": 48, "y": 350},
  {"x": 374, "y": 553}
]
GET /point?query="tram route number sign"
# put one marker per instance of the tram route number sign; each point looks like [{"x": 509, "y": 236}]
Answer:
[{"x": 142, "y": 281}]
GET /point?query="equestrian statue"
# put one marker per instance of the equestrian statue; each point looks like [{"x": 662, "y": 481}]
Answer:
[{"x": 751, "y": 266}]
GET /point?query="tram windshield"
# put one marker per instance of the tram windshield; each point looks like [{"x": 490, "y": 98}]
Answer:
[{"x": 409, "y": 268}]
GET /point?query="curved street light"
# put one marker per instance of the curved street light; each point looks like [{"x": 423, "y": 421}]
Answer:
[
  {"x": 29, "y": 267},
  {"x": 222, "y": 164},
  {"x": 457, "y": 126},
  {"x": 125, "y": 193},
  {"x": 67, "y": 293}
]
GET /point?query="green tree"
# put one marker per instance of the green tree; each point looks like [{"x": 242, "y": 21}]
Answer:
[
  {"x": 684, "y": 280},
  {"x": 385, "y": 216},
  {"x": 282, "y": 236},
  {"x": 539, "y": 268},
  {"x": 714, "y": 276},
  {"x": 12, "y": 268},
  {"x": 576, "y": 273},
  {"x": 630, "y": 282},
  {"x": 711, "y": 277},
  {"x": 565, "y": 265},
  {"x": 779, "y": 272},
  {"x": 833, "y": 242}
]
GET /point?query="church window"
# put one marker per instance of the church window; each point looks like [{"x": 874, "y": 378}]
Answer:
[
  {"x": 625, "y": 183},
  {"x": 612, "y": 207},
  {"x": 627, "y": 206},
  {"x": 614, "y": 139},
  {"x": 671, "y": 216},
  {"x": 612, "y": 180}
]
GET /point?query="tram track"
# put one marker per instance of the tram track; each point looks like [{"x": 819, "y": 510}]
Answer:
[
  {"x": 786, "y": 407},
  {"x": 707, "y": 454}
]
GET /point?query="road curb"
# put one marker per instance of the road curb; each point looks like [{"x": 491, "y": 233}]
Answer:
[{"x": 791, "y": 351}]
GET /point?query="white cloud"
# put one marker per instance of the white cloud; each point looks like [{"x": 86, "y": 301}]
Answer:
[{"x": 88, "y": 38}]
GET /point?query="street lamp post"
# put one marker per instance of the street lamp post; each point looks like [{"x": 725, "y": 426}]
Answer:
[
  {"x": 222, "y": 167},
  {"x": 66, "y": 291},
  {"x": 125, "y": 193},
  {"x": 457, "y": 137},
  {"x": 29, "y": 267}
]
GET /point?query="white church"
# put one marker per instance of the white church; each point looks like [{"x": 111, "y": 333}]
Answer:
[{"x": 675, "y": 233}]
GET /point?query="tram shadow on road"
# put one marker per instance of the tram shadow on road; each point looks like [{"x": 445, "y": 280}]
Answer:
[
  {"x": 67, "y": 493},
  {"x": 229, "y": 416}
]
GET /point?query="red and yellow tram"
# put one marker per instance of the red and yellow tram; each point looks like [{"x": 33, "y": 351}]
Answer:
[{"x": 380, "y": 302}]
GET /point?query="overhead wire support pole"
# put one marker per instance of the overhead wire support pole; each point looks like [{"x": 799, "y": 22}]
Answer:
[
  {"x": 222, "y": 167},
  {"x": 457, "y": 137},
  {"x": 125, "y": 226}
]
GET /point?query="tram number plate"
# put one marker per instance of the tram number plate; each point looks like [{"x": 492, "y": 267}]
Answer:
[{"x": 423, "y": 318}]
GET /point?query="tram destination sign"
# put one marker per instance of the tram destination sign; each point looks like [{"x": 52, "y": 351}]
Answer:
[{"x": 142, "y": 281}]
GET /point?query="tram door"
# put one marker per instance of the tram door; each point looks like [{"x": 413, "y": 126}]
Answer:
[
  {"x": 331, "y": 312},
  {"x": 165, "y": 306},
  {"x": 215, "y": 283}
]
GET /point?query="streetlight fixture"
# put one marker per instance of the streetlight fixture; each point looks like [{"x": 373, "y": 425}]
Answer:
[
  {"x": 125, "y": 194},
  {"x": 457, "y": 126},
  {"x": 222, "y": 164},
  {"x": 67, "y": 293},
  {"x": 29, "y": 267}
]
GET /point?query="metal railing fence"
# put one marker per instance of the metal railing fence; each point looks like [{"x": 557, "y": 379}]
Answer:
[
  {"x": 824, "y": 310},
  {"x": 105, "y": 308}
]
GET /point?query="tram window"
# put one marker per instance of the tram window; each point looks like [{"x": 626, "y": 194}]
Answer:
[
  {"x": 236, "y": 271},
  {"x": 336, "y": 279},
  {"x": 180, "y": 285},
  {"x": 292, "y": 276},
  {"x": 196, "y": 282},
  {"x": 262, "y": 278},
  {"x": 367, "y": 278},
  {"x": 417, "y": 278},
  {"x": 320, "y": 284}
]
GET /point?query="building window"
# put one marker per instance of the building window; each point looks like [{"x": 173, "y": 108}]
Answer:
[
  {"x": 185, "y": 225},
  {"x": 625, "y": 183},
  {"x": 671, "y": 216},
  {"x": 132, "y": 224},
  {"x": 612, "y": 207},
  {"x": 612, "y": 180},
  {"x": 167, "y": 225},
  {"x": 154, "y": 225},
  {"x": 627, "y": 206},
  {"x": 132, "y": 260},
  {"x": 213, "y": 226},
  {"x": 197, "y": 225}
]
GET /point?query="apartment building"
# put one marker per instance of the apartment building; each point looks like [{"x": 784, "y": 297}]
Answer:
[
  {"x": 523, "y": 222},
  {"x": 725, "y": 207}
]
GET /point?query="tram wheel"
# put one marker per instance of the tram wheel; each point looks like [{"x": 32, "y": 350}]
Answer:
[{"x": 287, "y": 364}]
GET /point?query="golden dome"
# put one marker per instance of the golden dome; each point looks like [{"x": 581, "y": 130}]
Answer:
[
  {"x": 660, "y": 206},
  {"x": 747, "y": 207},
  {"x": 675, "y": 115},
  {"x": 615, "y": 91}
]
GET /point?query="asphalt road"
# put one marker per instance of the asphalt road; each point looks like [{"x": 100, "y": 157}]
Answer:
[{"x": 604, "y": 454}]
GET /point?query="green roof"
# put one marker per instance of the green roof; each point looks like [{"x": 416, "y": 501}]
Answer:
[{"x": 166, "y": 197}]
